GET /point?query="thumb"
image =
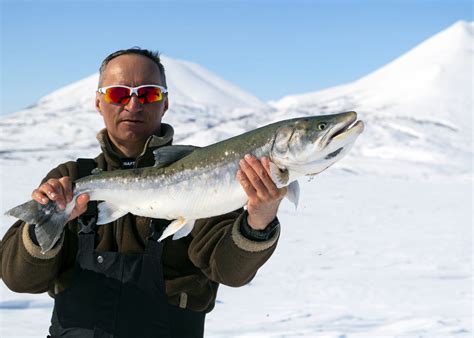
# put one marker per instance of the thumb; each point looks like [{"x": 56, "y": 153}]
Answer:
[
  {"x": 82, "y": 200},
  {"x": 81, "y": 203},
  {"x": 80, "y": 207}
]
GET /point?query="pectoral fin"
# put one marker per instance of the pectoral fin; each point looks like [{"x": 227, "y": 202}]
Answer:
[{"x": 293, "y": 193}]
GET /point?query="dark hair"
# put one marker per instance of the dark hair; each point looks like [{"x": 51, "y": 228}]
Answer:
[{"x": 152, "y": 55}]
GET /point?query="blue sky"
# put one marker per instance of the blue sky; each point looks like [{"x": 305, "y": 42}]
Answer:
[{"x": 269, "y": 48}]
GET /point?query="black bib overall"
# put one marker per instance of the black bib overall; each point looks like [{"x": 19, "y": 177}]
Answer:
[{"x": 120, "y": 295}]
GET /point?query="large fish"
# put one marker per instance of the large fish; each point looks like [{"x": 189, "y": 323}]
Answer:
[{"x": 188, "y": 183}]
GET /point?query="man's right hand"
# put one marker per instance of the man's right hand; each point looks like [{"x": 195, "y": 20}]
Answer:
[{"x": 60, "y": 191}]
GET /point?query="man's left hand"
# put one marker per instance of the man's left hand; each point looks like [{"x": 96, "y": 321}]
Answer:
[{"x": 263, "y": 195}]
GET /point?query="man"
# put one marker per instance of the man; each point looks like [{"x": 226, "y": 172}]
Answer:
[{"x": 116, "y": 280}]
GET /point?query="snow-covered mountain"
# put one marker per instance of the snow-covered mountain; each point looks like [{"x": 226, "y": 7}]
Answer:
[
  {"x": 418, "y": 111},
  {"x": 417, "y": 108},
  {"x": 433, "y": 80}
]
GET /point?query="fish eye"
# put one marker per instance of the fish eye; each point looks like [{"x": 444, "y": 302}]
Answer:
[{"x": 322, "y": 125}]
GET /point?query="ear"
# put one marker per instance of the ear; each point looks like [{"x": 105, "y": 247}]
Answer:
[
  {"x": 165, "y": 104},
  {"x": 97, "y": 102}
]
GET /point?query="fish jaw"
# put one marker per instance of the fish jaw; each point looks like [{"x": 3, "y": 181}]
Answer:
[{"x": 313, "y": 150}]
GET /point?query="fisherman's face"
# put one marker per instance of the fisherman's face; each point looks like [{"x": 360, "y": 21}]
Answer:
[{"x": 133, "y": 122}]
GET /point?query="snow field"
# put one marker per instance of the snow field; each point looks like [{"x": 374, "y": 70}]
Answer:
[{"x": 361, "y": 257}]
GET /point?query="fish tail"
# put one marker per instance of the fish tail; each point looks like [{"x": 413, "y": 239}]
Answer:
[{"x": 49, "y": 220}]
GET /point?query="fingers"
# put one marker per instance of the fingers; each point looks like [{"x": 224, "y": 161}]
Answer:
[
  {"x": 39, "y": 196},
  {"x": 55, "y": 192},
  {"x": 256, "y": 174},
  {"x": 58, "y": 190},
  {"x": 246, "y": 184},
  {"x": 67, "y": 187},
  {"x": 263, "y": 196}
]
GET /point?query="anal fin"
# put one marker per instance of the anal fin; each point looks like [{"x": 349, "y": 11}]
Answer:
[
  {"x": 179, "y": 228},
  {"x": 185, "y": 230}
]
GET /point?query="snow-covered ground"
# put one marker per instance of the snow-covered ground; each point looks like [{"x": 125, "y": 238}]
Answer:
[
  {"x": 381, "y": 244},
  {"x": 361, "y": 257}
]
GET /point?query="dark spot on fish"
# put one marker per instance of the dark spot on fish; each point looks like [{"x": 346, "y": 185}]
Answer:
[{"x": 333, "y": 154}]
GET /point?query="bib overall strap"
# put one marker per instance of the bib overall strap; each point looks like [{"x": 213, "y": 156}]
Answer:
[
  {"x": 118, "y": 294},
  {"x": 88, "y": 219}
]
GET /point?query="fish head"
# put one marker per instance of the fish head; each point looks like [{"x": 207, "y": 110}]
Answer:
[{"x": 309, "y": 145}]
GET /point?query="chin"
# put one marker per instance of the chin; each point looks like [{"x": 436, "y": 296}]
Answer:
[{"x": 134, "y": 134}]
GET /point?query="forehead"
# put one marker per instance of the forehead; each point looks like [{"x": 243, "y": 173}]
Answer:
[{"x": 131, "y": 70}]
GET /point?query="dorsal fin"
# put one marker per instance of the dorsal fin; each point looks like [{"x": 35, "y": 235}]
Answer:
[{"x": 164, "y": 156}]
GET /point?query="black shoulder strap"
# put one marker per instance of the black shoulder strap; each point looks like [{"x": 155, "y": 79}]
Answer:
[{"x": 84, "y": 168}]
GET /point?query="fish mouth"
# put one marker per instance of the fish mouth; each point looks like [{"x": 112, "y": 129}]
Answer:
[{"x": 347, "y": 127}]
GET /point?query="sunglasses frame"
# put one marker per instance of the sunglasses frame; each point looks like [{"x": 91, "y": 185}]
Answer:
[{"x": 133, "y": 90}]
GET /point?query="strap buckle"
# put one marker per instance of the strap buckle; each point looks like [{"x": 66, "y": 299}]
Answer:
[{"x": 87, "y": 226}]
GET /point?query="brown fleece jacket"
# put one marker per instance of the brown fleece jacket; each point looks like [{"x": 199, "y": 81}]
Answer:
[{"x": 215, "y": 251}]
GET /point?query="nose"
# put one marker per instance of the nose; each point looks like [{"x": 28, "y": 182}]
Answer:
[{"x": 134, "y": 104}]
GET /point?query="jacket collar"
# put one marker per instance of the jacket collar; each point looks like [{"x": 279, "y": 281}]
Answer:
[{"x": 159, "y": 139}]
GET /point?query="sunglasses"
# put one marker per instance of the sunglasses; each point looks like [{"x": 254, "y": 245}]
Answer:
[{"x": 122, "y": 94}]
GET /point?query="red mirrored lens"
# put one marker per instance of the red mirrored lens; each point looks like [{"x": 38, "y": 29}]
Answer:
[
  {"x": 149, "y": 94},
  {"x": 118, "y": 95},
  {"x": 121, "y": 95}
]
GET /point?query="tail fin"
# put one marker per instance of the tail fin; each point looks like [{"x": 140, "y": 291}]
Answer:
[{"x": 49, "y": 221}]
